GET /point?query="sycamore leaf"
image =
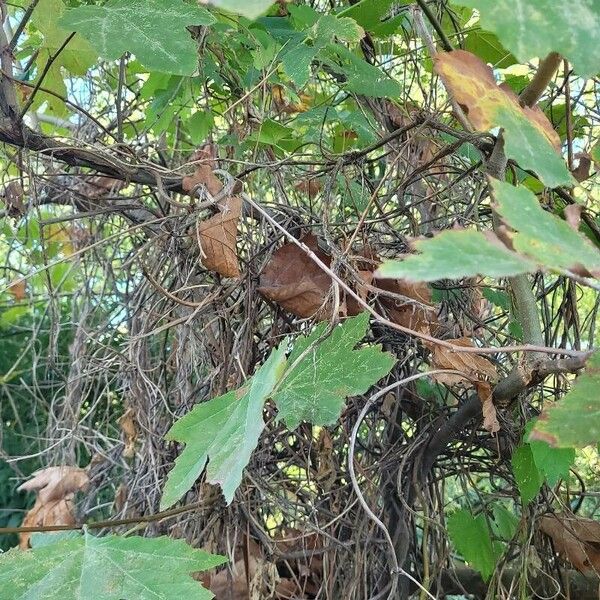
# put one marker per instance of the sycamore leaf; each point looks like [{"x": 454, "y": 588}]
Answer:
[
  {"x": 247, "y": 8},
  {"x": 106, "y": 568},
  {"x": 471, "y": 537},
  {"x": 315, "y": 388},
  {"x": 454, "y": 254},
  {"x": 76, "y": 58},
  {"x": 329, "y": 27},
  {"x": 573, "y": 421},
  {"x": 544, "y": 26},
  {"x": 552, "y": 463},
  {"x": 540, "y": 235},
  {"x": 153, "y": 30},
  {"x": 225, "y": 430},
  {"x": 529, "y": 137}
]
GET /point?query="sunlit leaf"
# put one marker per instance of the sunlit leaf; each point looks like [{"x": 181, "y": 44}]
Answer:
[
  {"x": 105, "y": 568},
  {"x": 153, "y": 30}
]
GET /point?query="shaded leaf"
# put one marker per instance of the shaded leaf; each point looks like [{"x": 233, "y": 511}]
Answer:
[
  {"x": 544, "y": 26},
  {"x": 106, "y": 568},
  {"x": 471, "y": 537},
  {"x": 573, "y": 421},
  {"x": 248, "y": 8},
  {"x": 293, "y": 280},
  {"x": 225, "y": 430},
  {"x": 314, "y": 390},
  {"x": 128, "y": 25},
  {"x": 529, "y": 480},
  {"x": 529, "y": 136},
  {"x": 455, "y": 254},
  {"x": 575, "y": 538}
]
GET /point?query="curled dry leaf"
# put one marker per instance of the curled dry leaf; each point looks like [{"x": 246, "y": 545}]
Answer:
[
  {"x": 129, "y": 430},
  {"x": 55, "y": 487},
  {"x": 218, "y": 239},
  {"x": 295, "y": 282},
  {"x": 204, "y": 164},
  {"x": 490, "y": 417},
  {"x": 575, "y": 538},
  {"x": 311, "y": 187}
]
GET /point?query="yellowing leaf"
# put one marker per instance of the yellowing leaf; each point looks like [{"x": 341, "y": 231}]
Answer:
[{"x": 530, "y": 139}]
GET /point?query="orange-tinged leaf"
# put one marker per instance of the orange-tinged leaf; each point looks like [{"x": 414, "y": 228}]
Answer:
[
  {"x": 218, "y": 239},
  {"x": 204, "y": 164},
  {"x": 18, "y": 289}
]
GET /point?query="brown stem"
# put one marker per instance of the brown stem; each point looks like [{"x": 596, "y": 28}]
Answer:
[{"x": 533, "y": 92}]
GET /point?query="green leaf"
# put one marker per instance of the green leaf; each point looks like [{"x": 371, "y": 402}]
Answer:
[
  {"x": 487, "y": 47},
  {"x": 552, "y": 463},
  {"x": 530, "y": 28},
  {"x": 456, "y": 254},
  {"x": 315, "y": 389},
  {"x": 471, "y": 537},
  {"x": 247, "y": 8},
  {"x": 225, "y": 430},
  {"x": 106, "y": 568},
  {"x": 153, "y": 30},
  {"x": 540, "y": 235},
  {"x": 504, "y": 523},
  {"x": 573, "y": 421},
  {"x": 528, "y": 146},
  {"x": 199, "y": 126},
  {"x": 369, "y": 13},
  {"x": 297, "y": 61},
  {"x": 329, "y": 27},
  {"x": 529, "y": 481}
]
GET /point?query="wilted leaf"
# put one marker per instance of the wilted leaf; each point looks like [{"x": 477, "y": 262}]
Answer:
[
  {"x": 13, "y": 199},
  {"x": 544, "y": 26},
  {"x": 575, "y": 538},
  {"x": 455, "y": 254},
  {"x": 573, "y": 421},
  {"x": 471, "y": 537},
  {"x": 225, "y": 430},
  {"x": 540, "y": 235},
  {"x": 130, "y": 25},
  {"x": 55, "y": 488},
  {"x": 529, "y": 137},
  {"x": 218, "y": 238},
  {"x": 295, "y": 282},
  {"x": 314, "y": 390},
  {"x": 204, "y": 164},
  {"x": 107, "y": 568},
  {"x": 490, "y": 417},
  {"x": 129, "y": 430}
]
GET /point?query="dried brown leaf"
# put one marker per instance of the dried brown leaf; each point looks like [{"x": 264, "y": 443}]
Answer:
[
  {"x": 218, "y": 239},
  {"x": 575, "y": 538},
  {"x": 490, "y": 417},
  {"x": 129, "y": 430},
  {"x": 293, "y": 280},
  {"x": 55, "y": 487},
  {"x": 13, "y": 198},
  {"x": 204, "y": 164},
  {"x": 18, "y": 289}
]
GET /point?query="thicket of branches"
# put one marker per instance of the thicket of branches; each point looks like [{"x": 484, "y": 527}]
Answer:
[{"x": 113, "y": 327}]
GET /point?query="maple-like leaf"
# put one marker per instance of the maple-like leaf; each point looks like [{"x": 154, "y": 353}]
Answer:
[
  {"x": 529, "y": 137},
  {"x": 105, "y": 568},
  {"x": 225, "y": 430},
  {"x": 153, "y": 30},
  {"x": 321, "y": 375}
]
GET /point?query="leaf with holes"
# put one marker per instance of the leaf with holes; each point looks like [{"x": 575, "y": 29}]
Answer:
[
  {"x": 225, "y": 430},
  {"x": 534, "y": 28},
  {"x": 153, "y": 30},
  {"x": 321, "y": 374},
  {"x": 529, "y": 137},
  {"x": 105, "y": 568},
  {"x": 573, "y": 421}
]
